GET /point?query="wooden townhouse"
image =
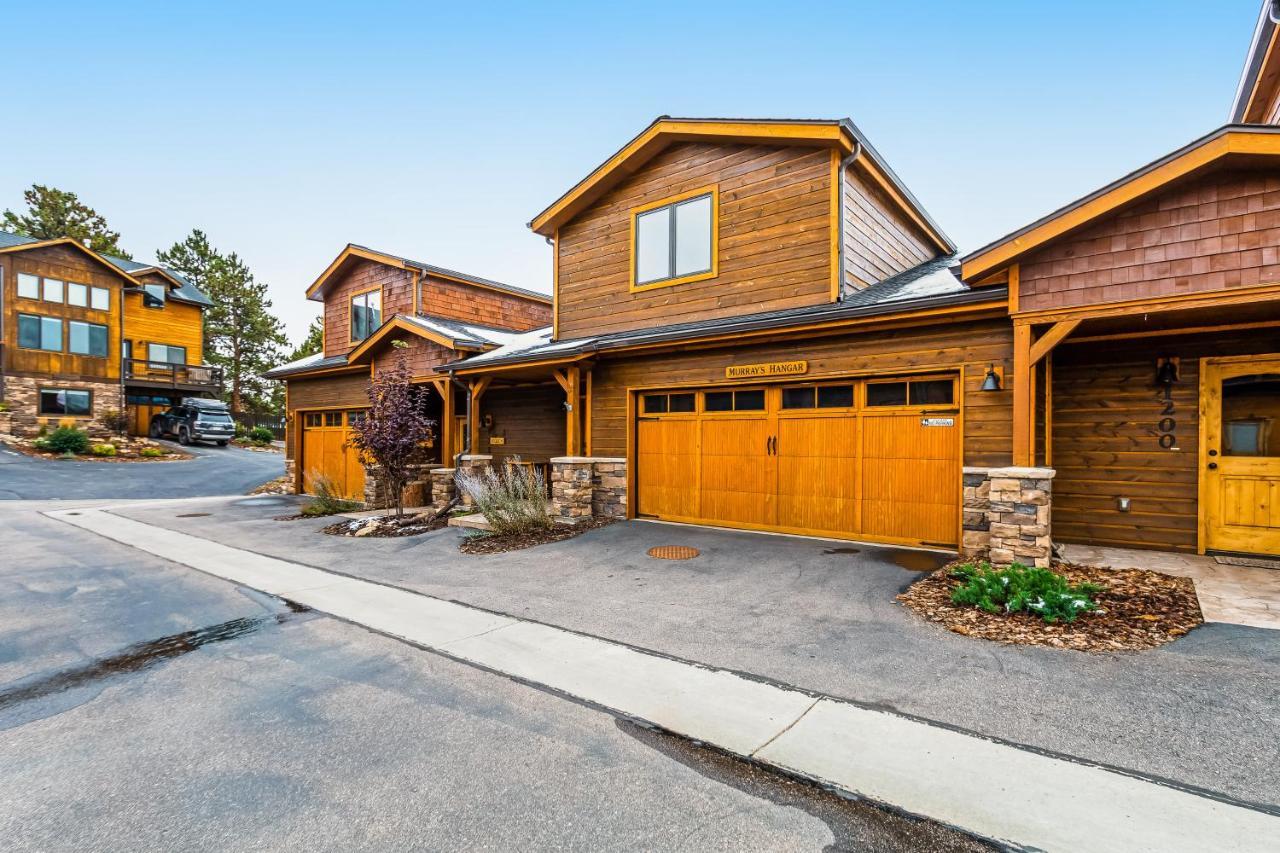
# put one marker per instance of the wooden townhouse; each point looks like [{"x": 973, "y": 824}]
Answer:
[
  {"x": 83, "y": 335},
  {"x": 372, "y": 299}
]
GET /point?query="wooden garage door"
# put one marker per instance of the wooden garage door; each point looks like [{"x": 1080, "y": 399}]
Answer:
[
  {"x": 867, "y": 459},
  {"x": 327, "y": 452}
]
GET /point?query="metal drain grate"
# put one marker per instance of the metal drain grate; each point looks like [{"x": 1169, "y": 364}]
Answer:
[
  {"x": 673, "y": 552},
  {"x": 1249, "y": 562}
]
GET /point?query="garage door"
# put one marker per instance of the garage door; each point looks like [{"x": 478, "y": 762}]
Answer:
[
  {"x": 867, "y": 459},
  {"x": 327, "y": 452}
]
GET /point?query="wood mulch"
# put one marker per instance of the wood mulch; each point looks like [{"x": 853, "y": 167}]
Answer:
[
  {"x": 385, "y": 526},
  {"x": 1137, "y": 609},
  {"x": 126, "y": 451},
  {"x": 492, "y": 543}
]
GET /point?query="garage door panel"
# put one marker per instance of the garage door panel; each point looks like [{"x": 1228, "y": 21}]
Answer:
[
  {"x": 737, "y": 482},
  {"x": 326, "y": 451},
  {"x": 818, "y": 474},
  {"x": 666, "y": 455}
]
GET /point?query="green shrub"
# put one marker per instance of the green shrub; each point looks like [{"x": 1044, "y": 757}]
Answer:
[
  {"x": 151, "y": 452},
  {"x": 104, "y": 450},
  {"x": 4, "y": 405},
  {"x": 115, "y": 420},
  {"x": 68, "y": 439},
  {"x": 326, "y": 500},
  {"x": 262, "y": 435},
  {"x": 1017, "y": 589},
  {"x": 513, "y": 500},
  {"x": 241, "y": 430},
  {"x": 40, "y": 442}
]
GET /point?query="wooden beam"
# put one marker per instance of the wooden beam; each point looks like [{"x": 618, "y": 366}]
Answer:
[
  {"x": 1051, "y": 339},
  {"x": 586, "y": 416},
  {"x": 573, "y": 415},
  {"x": 1023, "y": 396},
  {"x": 446, "y": 427},
  {"x": 477, "y": 389},
  {"x": 562, "y": 377},
  {"x": 1048, "y": 411}
]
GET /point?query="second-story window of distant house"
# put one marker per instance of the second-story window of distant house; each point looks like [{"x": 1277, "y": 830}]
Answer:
[
  {"x": 87, "y": 338},
  {"x": 77, "y": 295},
  {"x": 52, "y": 290},
  {"x": 28, "y": 286},
  {"x": 40, "y": 332},
  {"x": 675, "y": 240},
  {"x": 366, "y": 314},
  {"x": 99, "y": 299},
  {"x": 153, "y": 295},
  {"x": 162, "y": 355}
]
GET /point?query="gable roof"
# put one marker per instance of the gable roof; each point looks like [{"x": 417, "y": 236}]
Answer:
[
  {"x": 184, "y": 290},
  {"x": 837, "y": 134},
  {"x": 1260, "y": 77},
  {"x": 448, "y": 333},
  {"x": 316, "y": 291},
  {"x": 1227, "y": 145}
]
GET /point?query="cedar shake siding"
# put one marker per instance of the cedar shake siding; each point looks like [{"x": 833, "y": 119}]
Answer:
[
  {"x": 421, "y": 355},
  {"x": 1219, "y": 232},
  {"x": 774, "y": 239},
  {"x": 474, "y": 304},
  {"x": 397, "y": 298},
  {"x": 880, "y": 241}
]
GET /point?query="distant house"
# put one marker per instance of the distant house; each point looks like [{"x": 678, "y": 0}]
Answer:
[{"x": 84, "y": 334}]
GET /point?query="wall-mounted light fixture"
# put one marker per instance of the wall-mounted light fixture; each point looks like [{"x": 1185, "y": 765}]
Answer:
[
  {"x": 994, "y": 380},
  {"x": 1167, "y": 370},
  {"x": 487, "y": 420}
]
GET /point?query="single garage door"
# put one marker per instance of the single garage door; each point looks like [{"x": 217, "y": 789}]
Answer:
[
  {"x": 867, "y": 459},
  {"x": 327, "y": 452}
]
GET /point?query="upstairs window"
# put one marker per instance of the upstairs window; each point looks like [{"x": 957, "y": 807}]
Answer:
[
  {"x": 163, "y": 355},
  {"x": 40, "y": 333},
  {"x": 87, "y": 339},
  {"x": 99, "y": 299},
  {"x": 366, "y": 314},
  {"x": 28, "y": 286},
  {"x": 52, "y": 290},
  {"x": 77, "y": 295},
  {"x": 674, "y": 240},
  {"x": 153, "y": 295}
]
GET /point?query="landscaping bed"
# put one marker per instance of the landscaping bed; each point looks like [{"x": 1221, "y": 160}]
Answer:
[
  {"x": 1136, "y": 609},
  {"x": 385, "y": 526},
  {"x": 494, "y": 543},
  {"x": 122, "y": 449}
]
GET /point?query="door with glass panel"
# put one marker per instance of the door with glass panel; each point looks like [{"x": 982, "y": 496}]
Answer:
[{"x": 1240, "y": 454}]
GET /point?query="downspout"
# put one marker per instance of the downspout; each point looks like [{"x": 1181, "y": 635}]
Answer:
[{"x": 840, "y": 252}]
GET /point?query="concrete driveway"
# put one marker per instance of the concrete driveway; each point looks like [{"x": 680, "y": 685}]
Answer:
[
  {"x": 214, "y": 471},
  {"x": 822, "y": 616}
]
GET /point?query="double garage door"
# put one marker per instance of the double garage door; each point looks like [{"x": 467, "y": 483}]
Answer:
[
  {"x": 859, "y": 459},
  {"x": 327, "y": 453}
]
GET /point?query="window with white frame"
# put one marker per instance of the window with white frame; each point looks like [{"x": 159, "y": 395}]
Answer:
[{"x": 675, "y": 241}]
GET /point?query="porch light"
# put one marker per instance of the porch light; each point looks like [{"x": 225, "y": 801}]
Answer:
[
  {"x": 1166, "y": 371},
  {"x": 991, "y": 382}
]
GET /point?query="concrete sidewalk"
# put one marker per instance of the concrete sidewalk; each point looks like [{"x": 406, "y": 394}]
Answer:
[{"x": 1007, "y": 793}]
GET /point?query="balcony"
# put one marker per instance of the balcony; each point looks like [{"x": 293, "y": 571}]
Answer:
[{"x": 144, "y": 373}]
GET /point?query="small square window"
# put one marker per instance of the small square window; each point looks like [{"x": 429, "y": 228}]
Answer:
[
  {"x": 655, "y": 404},
  {"x": 333, "y": 419},
  {"x": 356, "y": 417},
  {"x": 153, "y": 295},
  {"x": 28, "y": 286},
  {"x": 797, "y": 398},
  {"x": 718, "y": 401},
  {"x": 748, "y": 401},
  {"x": 100, "y": 299},
  {"x": 674, "y": 241},
  {"x": 681, "y": 402},
  {"x": 77, "y": 294},
  {"x": 887, "y": 394},
  {"x": 933, "y": 392},
  {"x": 52, "y": 290},
  {"x": 835, "y": 396}
]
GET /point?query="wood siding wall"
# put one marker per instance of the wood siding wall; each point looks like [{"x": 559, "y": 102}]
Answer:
[
  {"x": 1216, "y": 233},
  {"x": 1106, "y": 407},
  {"x": 530, "y": 420},
  {"x": 66, "y": 265},
  {"x": 970, "y": 346},
  {"x": 397, "y": 298},
  {"x": 421, "y": 355},
  {"x": 472, "y": 304},
  {"x": 774, "y": 233},
  {"x": 879, "y": 240},
  {"x": 178, "y": 324},
  {"x": 349, "y": 390}
]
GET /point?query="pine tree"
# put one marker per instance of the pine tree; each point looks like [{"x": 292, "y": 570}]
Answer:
[
  {"x": 241, "y": 334},
  {"x": 53, "y": 213},
  {"x": 312, "y": 343}
]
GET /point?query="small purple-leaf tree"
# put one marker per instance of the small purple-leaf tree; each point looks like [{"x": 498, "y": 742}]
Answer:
[{"x": 395, "y": 428}]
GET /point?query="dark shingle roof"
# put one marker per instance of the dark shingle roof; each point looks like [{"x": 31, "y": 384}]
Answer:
[
  {"x": 305, "y": 364},
  {"x": 186, "y": 291}
]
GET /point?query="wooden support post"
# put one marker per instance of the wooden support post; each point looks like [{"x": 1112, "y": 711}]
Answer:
[
  {"x": 1048, "y": 411},
  {"x": 573, "y": 414},
  {"x": 444, "y": 388},
  {"x": 586, "y": 417},
  {"x": 478, "y": 387},
  {"x": 1023, "y": 396}
]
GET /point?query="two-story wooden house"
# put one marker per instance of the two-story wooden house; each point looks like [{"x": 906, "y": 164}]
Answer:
[
  {"x": 84, "y": 335},
  {"x": 372, "y": 299}
]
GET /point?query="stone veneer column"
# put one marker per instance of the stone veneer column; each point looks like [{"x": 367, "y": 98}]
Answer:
[
  {"x": 609, "y": 487},
  {"x": 1008, "y": 515},
  {"x": 571, "y": 488},
  {"x": 443, "y": 487}
]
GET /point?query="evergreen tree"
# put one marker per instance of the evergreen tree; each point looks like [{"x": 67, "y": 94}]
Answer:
[
  {"x": 241, "y": 335},
  {"x": 53, "y": 213},
  {"x": 312, "y": 343}
]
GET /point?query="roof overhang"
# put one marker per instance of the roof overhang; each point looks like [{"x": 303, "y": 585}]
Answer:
[
  {"x": 1260, "y": 78},
  {"x": 363, "y": 353},
  {"x": 75, "y": 244},
  {"x": 160, "y": 271},
  {"x": 316, "y": 291},
  {"x": 1230, "y": 145},
  {"x": 838, "y": 135}
]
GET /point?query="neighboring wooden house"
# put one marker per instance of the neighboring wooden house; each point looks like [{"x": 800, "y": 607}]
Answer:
[
  {"x": 85, "y": 334},
  {"x": 370, "y": 299}
]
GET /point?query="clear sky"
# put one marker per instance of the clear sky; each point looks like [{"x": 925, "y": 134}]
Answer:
[{"x": 436, "y": 131}]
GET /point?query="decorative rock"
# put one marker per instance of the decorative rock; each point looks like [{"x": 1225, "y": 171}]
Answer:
[{"x": 1007, "y": 515}]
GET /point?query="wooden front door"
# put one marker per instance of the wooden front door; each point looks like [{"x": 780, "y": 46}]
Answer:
[
  {"x": 843, "y": 459},
  {"x": 1240, "y": 454},
  {"x": 327, "y": 453}
]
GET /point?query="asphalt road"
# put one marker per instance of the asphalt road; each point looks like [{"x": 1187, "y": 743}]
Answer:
[
  {"x": 214, "y": 471},
  {"x": 147, "y": 706}
]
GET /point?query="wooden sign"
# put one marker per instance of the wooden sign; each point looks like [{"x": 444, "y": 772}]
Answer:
[
  {"x": 772, "y": 368},
  {"x": 497, "y": 440}
]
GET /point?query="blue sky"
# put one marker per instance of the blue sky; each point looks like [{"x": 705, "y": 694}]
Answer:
[{"x": 437, "y": 131}]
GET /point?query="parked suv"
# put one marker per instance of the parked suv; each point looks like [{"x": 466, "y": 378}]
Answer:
[{"x": 195, "y": 419}]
